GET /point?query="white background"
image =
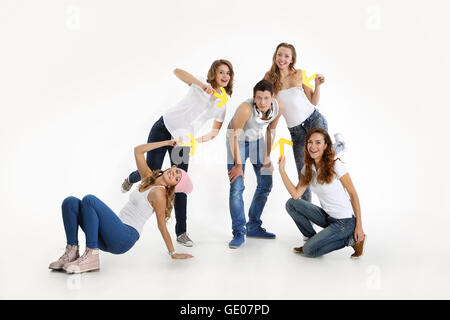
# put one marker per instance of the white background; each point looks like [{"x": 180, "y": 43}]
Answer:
[{"x": 82, "y": 82}]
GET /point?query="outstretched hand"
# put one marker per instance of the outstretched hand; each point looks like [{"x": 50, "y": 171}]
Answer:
[{"x": 182, "y": 256}]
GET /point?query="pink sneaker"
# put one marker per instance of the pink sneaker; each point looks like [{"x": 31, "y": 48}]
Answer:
[
  {"x": 89, "y": 261},
  {"x": 70, "y": 255}
]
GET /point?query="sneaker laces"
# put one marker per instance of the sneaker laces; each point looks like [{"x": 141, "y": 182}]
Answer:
[
  {"x": 184, "y": 237},
  {"x": 65, "y": 256},
  {"x": 84, "y": 256}
]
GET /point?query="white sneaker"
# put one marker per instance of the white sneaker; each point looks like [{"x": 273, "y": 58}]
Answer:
[
  {"x": 340, "y": 145},
  {"x": 126, "y": 185},
  {"x": 185, "y": 240}
]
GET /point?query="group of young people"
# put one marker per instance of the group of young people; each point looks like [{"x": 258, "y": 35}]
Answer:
[{"x": 250, "y": 135}]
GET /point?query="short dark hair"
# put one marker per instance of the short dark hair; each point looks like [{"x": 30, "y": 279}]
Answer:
[{"x": 263, "y": 85}]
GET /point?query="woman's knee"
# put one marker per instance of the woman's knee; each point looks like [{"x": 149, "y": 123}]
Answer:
[
  {"x": 290, "y": 206},
  {"x": 295, "y": 206},
  {"x": 309, "y": 250},
  {"x": 70, "y": 203},
  {"x": 89, "y": 200}
]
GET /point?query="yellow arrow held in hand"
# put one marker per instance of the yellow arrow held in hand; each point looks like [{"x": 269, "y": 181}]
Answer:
[
  {"x": 222, "y": 96},
  {"x": 306, "y": 80},
  {"x": 193, "y": 144},
  {"x": 281, "y": 143}
]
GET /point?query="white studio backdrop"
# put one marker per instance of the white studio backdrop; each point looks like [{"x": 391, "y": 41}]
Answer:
[{"x": 82, "y": 82}]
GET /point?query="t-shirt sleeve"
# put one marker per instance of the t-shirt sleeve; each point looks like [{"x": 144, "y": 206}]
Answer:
[
  {"x": 221, "y": 115},
  {"x": 340, "y": 169}
]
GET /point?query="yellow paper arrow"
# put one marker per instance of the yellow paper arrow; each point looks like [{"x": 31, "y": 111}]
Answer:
[
  {"x": 222, "y": 96},
  {"x": 193, "y": 144},
  {"x": 306, "y": 80},
  {"x": 281, "y": 143}
]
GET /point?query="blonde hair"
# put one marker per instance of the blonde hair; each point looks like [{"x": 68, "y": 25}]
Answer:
[
  {"x": 147, "y": 181},
  {"x": 274, "y": 75}
]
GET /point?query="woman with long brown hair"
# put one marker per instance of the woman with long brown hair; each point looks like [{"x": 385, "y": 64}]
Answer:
[
  {"x": 117, "y": 234},
  {"x": 299, "y": 101},
  {"x": 186, "y": 118},
  {"x": 340, "y": 212}
]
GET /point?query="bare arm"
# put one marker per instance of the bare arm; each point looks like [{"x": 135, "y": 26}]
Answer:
[
  {"x": 187, "y": 78},
  {"x": 241, "y": 117},
  {"x": 273, "y": 126},
  {"x": 314, "y": 95},
  {"x": 157, "y": 198},
  {"x": 141, "y": 150},
  {"x": 354, "y": 199},
  {"x": 296, "y": 192},
  {"x": 212, "y": 134},
  {"x": 270, "y": 136}
]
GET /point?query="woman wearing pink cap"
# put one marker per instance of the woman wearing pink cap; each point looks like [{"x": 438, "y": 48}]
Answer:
[
  {"x": 117, "y": 234},
  {"x": 187, "y": 118}
]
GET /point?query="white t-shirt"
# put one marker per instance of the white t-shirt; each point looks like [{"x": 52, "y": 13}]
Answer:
[
  {"x": 333, "y": 197},
  {"x": 191, "y": 113}
]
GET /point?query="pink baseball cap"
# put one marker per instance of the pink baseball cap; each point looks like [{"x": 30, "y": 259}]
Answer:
[{"x": 185, "y": 185}]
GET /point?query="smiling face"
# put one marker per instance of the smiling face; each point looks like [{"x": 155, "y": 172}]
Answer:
[
  {"x": 316, "y": 146},
  {"x": 284, "y": 58},
  {"x": 172, "y": 176},
  {"x": 263, "y": 100},
  {"x": 223, "y": 75}
]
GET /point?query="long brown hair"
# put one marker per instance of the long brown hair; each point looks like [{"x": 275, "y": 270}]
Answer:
[
  {"x": 274, "y": 75},
  {"x": 325, "y": 171},
  {"x": 212, "y": 72},
  {"x": 147, "y": 181}
]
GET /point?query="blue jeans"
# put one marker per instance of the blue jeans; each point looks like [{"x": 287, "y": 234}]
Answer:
[
  {"x": 298, "y": 135},
  {"x": 103, "y": 228},
  {"x": 179, "y": 156},
  {"x": 255, "y": 150},
  {"x": 337, "y": 233}
]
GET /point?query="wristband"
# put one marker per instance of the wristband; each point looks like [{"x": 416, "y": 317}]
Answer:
[{"x": 172, "y": 253}]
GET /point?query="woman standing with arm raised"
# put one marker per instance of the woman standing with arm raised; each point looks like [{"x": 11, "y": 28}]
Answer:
[
  {"x": 299, "y": 101},
  {"x": 184, "y": 119}
]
